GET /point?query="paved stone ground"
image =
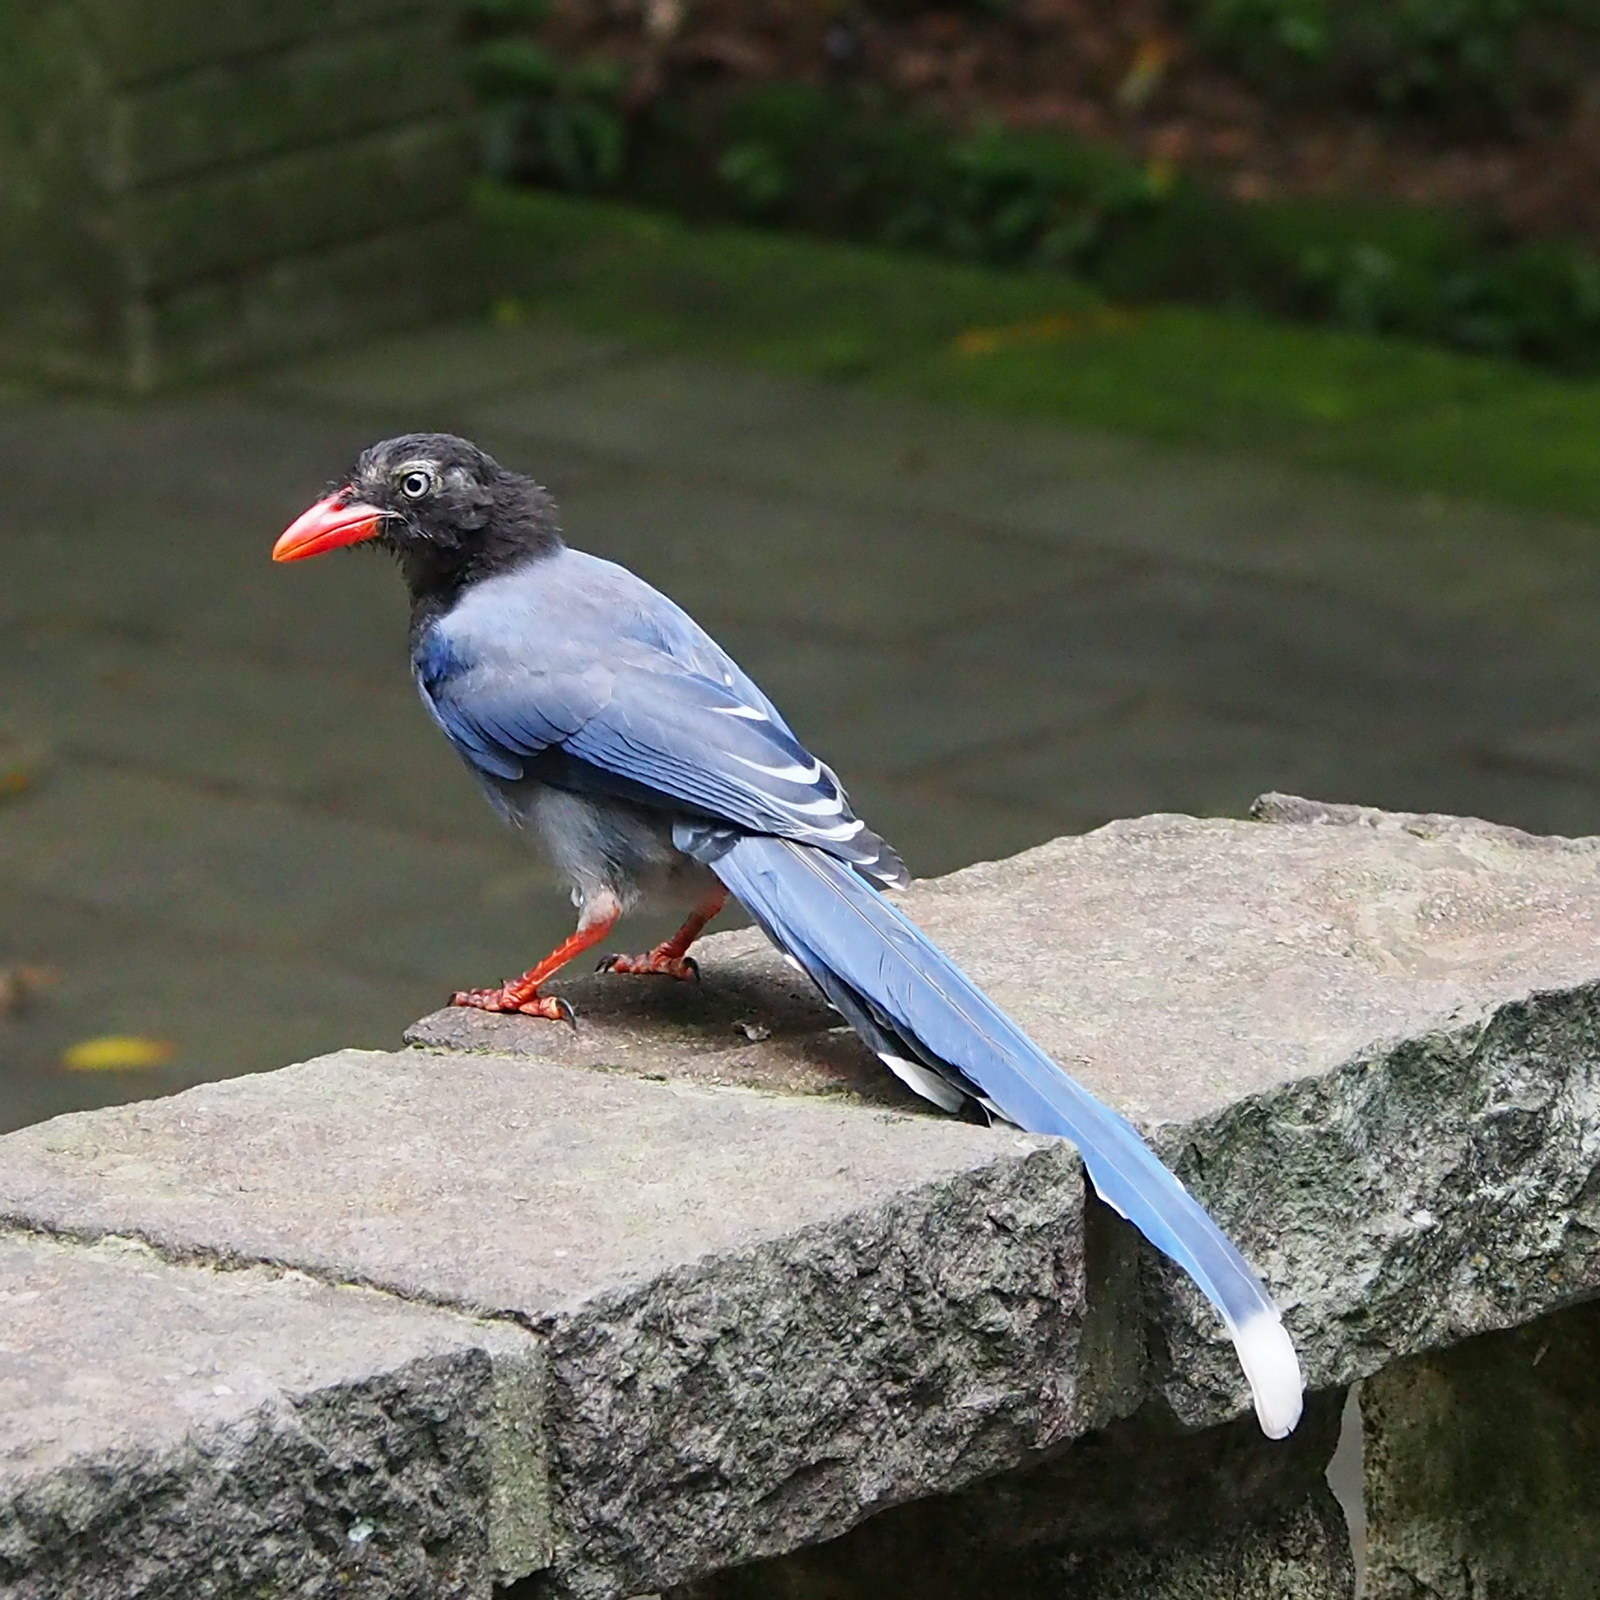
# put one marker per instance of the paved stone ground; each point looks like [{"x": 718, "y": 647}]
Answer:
[{"x": 237, "y": 831}]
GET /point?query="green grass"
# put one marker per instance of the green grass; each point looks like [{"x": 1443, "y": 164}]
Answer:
[{"x": 1038, "y": 345}]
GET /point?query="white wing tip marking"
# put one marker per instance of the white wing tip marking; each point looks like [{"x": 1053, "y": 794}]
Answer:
[
  {"x": 923, "y": 1081},
  {"x": 790, "y": 772},
  {"x": 749, "y": 713},
  {"x": 1272, "y": 1369},
  {"x": 845, "y": 830},
  {"x": 828, "y": 805}
]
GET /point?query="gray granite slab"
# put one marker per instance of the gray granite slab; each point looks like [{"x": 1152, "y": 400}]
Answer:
[
  {"x": 1368, "y": 1047},
  {"x": 766, "y": 1315},
  {"x": 179, "y": 1429},
  {"x": 775, "y": 1303}
]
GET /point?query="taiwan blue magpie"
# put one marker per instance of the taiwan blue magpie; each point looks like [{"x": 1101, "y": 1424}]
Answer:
[{"x": 592, "y": 708}]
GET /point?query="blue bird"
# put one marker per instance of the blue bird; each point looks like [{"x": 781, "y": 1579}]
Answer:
[{"x": 592, "y": 708}]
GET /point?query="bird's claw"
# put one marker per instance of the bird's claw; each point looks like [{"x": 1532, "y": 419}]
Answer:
[
  {"x": 657, "y": 964},
  {"x": 506, "y": 999},
  {"x": 551, "y": 1006}
]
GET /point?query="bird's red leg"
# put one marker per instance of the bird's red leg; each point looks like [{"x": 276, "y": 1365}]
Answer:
[
  {"x": 670, "y": 959},
  {"x": 522, "y": 994}
]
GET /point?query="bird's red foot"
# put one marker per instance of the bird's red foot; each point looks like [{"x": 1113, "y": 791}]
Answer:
[
  {"x": 661, "y": 961},
  {"x": 509, "y": 998}
]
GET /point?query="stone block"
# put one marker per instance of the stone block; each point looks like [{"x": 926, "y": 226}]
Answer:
[
  {"x": 1140, "y": 1511},
  {"x": 290, "y": 206},
  {"x": 776, "y": 1304},
  {"x": 766, "y": 1316},
  {"x": 139, "y": 41},
  {"x": 1483, "y": 1467},
  {"x": 152, "y": 145},
  {"x": 398, "y": 278},
  {"x": 230, "y": 111},
  {"x": 180, "y": 1430}
]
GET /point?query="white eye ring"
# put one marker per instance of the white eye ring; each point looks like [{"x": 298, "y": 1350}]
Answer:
[{"x": 417, "y": 483}]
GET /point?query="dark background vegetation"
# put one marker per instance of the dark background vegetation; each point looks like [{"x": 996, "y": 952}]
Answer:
[{"x": 1428, "y": 168}]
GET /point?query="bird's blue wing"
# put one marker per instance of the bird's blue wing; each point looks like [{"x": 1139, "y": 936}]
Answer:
[
  {"x": 707, "y": 747},
  {"x": 498, "y": 720},
  {"x": 635, "y": 720},
  {"x": 666, "y": 627}
]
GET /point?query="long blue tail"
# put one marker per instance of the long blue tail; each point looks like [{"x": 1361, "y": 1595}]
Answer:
[{"x": 934, "y": 1027}]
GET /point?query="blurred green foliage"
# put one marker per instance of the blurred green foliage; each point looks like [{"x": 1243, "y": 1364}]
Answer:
[
  {"x": 851, "y": 165},
  {"x": 1465, "y": 60},
  {"x": 1038, "y": 344},
  {"x": 559, "y": 121}
]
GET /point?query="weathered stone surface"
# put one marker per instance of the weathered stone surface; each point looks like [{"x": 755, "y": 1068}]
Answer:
[
  {"x": 766, "y": 1316},
  {"x": 752, "y": 1022},
  {"x": 292, "y": 204},
  {"x": 151, "y": 145},
  {"x": 1369, "y": 1048},
  {"x": 1303, "y": 1553},
  {"x": 308, "y": 302},
  {"x": 60, "y": 287},
  {"x": 231, "y": 111},
  {"x": 1483, "y": 1467},
  {"x": 170, "y": 1430},
  {"x": 1366, "y": 1041},
  {"x": 145, "y": 41},
  {"x": 1293, "y": 808},
  {"x": 1140, "y": 1511}
]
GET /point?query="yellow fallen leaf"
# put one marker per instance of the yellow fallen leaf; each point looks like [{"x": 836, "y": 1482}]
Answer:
[
  {"x": 985, "y": 341},
  {"x": 116, "y": 1052}
]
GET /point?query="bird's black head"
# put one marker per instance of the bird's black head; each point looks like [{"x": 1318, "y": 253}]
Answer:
[{"x": 448, "y": 510}]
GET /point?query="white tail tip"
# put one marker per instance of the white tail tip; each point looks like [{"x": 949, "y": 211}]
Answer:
[{"x": 1272, "y": 1370}]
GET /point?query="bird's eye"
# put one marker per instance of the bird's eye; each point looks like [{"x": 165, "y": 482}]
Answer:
[{"x": 416, "y": 484}]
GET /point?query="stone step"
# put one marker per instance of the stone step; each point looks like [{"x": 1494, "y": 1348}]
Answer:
[{"x": 134, "y": 1393}]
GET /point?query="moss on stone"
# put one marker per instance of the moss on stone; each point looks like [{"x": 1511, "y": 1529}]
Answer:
[{"x": 1038, "y": 345}]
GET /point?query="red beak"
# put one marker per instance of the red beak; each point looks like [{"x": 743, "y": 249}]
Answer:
[{"x": 327, "y": 525}]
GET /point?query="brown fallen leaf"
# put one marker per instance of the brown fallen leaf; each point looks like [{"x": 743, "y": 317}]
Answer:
[
  {"x": 117, "y": 1052},
  {"x": 21, "y": 986}
]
